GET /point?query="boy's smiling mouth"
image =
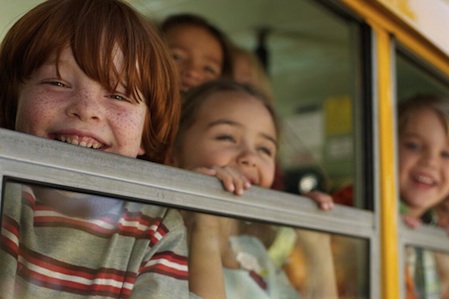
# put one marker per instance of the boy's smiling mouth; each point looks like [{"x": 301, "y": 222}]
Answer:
[{"x": 80, "y": 141}]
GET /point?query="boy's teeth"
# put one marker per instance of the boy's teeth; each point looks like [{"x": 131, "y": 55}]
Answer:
[{"x": 89, "y": 144}]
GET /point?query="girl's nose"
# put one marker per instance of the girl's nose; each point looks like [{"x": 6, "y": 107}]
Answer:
[
  {"x": 430, "y": 159},
  {"x": 248, "y": 158}
]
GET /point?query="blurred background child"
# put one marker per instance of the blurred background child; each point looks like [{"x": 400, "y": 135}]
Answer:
[{"x": 200, "y": 49}]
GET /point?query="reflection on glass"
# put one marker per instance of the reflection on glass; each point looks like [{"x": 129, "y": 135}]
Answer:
[
  {"x": 261, "y": 260},
  {"x": 312, "y": 61},
  {"x": 77, "y": 243},
  {"x": 426, "y": 273},
  {"x": 351, "y": 266},
  {"x": 61, "y": 244}
]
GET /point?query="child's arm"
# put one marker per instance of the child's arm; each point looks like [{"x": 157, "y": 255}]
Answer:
[
  {"x": 205, "y": 267},
  {"x": 320, "y": 278},
  {"x": 206, "y": 239}
]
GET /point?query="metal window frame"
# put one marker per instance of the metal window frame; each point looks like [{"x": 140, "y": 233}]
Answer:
[{"x": 32, "y": 159}]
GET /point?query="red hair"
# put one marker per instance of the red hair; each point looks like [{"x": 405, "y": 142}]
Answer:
[{"x": 93, "y": 29}]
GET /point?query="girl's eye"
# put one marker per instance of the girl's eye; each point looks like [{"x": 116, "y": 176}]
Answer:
[
  {"x": 413, "y": 146},
  {"x": 226, "y": 138},
  {"x": 445, "y": 154},
  {"x": 267, "y": 151}
]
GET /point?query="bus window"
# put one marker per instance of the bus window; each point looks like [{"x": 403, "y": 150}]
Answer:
[
  {"x": 426, "y": 272},
  {"x": 58, "y": 240},
  {"x": 425, "y": 269},
  {"x": 413, "y": 79},
  {"x": 282, "y": 259},
  {"x": 311, "y": 55}
]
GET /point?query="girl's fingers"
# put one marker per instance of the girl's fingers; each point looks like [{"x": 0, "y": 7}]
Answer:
[
  {"x": 411, "y": 221},
  {"x": 324, "y": 200},
  {"x": 233, "y": 180},
  {"x": 206, "y": 170}
]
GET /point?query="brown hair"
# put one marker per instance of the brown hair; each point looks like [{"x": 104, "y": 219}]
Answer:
[
  {"x": 195, "y": 97},
  {"x": 437, "y": 103},
  {"x": 187, "y": 19},
  {"x": 259, "y": 76},
  {"x": 93, "y": 29}
]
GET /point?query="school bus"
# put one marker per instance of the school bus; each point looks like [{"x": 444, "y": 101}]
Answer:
[{"x": 337, "y": 69}]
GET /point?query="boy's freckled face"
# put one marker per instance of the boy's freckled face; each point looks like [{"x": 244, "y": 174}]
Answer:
[
  {"x": 231, "y": 129},
  {"x": 423, "y": 161},
  {"x": 76, "y": 109},
  {"x": 197, "y": 53}
]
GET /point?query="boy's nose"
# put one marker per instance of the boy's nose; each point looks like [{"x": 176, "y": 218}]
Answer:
[
  {"x": 85, "y": 106},
  {"x": 192, "y": 70}
]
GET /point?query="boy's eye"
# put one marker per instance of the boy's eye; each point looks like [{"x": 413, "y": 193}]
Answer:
[
  {"x": 177, "y": 54},
  {"x": 118, "y": 97},
  {"x": 176, "y": 57},
  {"x": 56, "y": 83},
  {"x": 210, "y": 70}
]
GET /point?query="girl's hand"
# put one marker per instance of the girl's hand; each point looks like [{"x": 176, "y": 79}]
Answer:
[
  {"x": 323, "y": 200},
  {"x": 411, "y": 221},
  {"x": 232, "y": 179}
]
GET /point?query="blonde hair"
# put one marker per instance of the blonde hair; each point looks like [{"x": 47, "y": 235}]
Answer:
[{"x": 437, "y": 103}]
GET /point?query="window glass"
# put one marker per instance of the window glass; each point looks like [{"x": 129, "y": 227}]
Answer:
[
  {"x": 427, "y": 272},
  {"x": 54, "y": 240},
  {"x": 311, "y": 57},
  {"x": 54, "y": 227},
  {"x": 413, "y": 79}
]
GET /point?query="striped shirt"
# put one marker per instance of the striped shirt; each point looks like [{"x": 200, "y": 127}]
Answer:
[{"x": 130, "y": 250}]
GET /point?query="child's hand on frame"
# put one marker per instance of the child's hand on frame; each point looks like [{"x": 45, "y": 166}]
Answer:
[
  {"x": 232, "y": 179},
  {"x": 324, "y": 200},
  {"x": 411, "y": 221}
]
